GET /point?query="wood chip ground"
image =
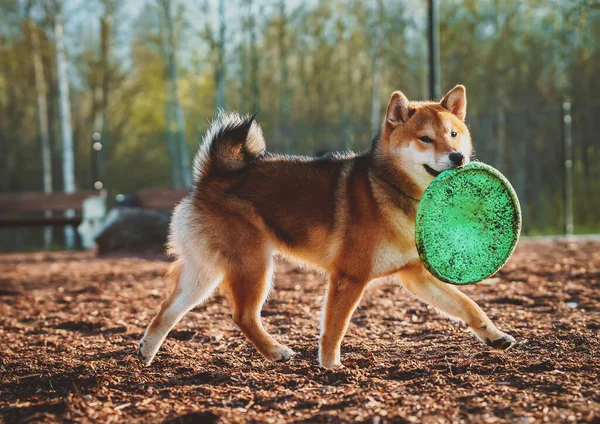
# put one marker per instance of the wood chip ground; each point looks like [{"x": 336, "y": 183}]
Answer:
[{"x": 70, "y": 324}]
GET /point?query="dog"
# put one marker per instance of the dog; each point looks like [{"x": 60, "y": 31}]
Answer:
[{"x": 350, "y": 215}]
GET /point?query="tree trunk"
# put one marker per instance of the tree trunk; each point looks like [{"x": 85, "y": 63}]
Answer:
[
  {"x": 433, "y": 12},
  {"x": 169, "y": 118},
  {"x": 376, "y": 118},
  {"x": 347, "y": 93},
  {"x": 4, "y": 142},
  {"x": 183, "y": 149},
  {"x": 179, "y": 124},
  {"x": 175, "y": 174},
  {"x": 220, "y": 71},
  {"x": 68, "y": 161},
  {"x": 101, "y": 93},
  {"x": 52, "y": 96},
  {"x": 254, "y": 63},
  {"x": 42, "y": 107},
  {"x": 501, "y": 133},
  {"x": 284, "y": 95},
  {"x": 501, "y": 103},
  {"x": 252, "y": 60}
]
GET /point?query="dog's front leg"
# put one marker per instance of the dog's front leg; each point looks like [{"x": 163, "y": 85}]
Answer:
[
  {"x": 343, "y": 295},
  {"x": 450, "y": 300}
]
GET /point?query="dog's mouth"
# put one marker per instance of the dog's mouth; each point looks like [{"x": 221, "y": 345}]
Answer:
[{"x": 432, "y": 171}]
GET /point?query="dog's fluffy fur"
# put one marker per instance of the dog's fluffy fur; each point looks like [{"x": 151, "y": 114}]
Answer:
[{"x": 350, "y": 215}]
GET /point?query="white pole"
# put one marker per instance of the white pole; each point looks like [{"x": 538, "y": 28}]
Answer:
[
  {"x": 68, "y": 161},
  {"x": 568, "y": 141}
]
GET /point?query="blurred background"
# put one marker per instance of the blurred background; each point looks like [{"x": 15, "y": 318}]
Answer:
[{"x": 113, "y": 96}]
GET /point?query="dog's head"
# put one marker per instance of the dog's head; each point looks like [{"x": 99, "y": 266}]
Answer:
[{"x": 422, "y": 139}]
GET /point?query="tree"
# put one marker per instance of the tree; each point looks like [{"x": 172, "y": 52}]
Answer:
[
  {"x": 101, "y": 92},
  {"x": 377, "y": 64},
  {"x": 220, "y": 70},
  {"x": 175, "y": 120},
  {"x": 250, "y": 60},
  {"x": 42, "y": 108},
  {"x": 216, "y": 42},
  {"x": 284, "y": 90},
  {"x": 68, "y": 162},
  {"x": 317, "y": 74}
]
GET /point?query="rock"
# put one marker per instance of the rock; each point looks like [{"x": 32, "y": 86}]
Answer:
[{"x": 127, "y": 228}]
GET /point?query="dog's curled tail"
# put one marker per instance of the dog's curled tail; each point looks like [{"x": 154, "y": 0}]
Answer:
[{"x": 230, "y": 144}]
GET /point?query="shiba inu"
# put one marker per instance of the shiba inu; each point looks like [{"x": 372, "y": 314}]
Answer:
[{"x": 350, "y": 215}]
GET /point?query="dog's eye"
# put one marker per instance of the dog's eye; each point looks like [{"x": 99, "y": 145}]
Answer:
[
  {"x": 453, "y": 134},
  {"x": 425, "y": 139}
]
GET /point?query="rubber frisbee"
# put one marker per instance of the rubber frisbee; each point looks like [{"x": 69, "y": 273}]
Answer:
[{"x": 468, "y": 224}]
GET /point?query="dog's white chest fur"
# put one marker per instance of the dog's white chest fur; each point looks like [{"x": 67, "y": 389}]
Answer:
[{"x": 390, "y": 256}]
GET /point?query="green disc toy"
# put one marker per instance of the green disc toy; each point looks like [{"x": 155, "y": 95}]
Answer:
[{"x": 468, "y": 224}]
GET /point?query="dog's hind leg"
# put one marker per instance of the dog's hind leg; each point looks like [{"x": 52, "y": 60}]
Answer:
[
  {"x": 455, "y": 303},
  {"x": 249, "y": 283},
  {"x": 192, "y": 287}
]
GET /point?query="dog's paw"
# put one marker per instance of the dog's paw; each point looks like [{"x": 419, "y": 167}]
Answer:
[
  {"x": 502, "y": 343},
  {"x": 282, "y": 354},
  {"x": 142, "y": 354},
  {"x": 331, "y": 365},
  {"x": 330, "y": 361}
]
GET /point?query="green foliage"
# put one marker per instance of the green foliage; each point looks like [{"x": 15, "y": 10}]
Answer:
[{"x": 313, "y": 83}]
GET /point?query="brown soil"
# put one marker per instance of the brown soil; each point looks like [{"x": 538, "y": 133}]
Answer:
[{"x": 70, "y": 324}]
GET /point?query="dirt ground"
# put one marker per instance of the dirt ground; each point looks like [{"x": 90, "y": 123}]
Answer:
[{"x": 70, "y": 324}]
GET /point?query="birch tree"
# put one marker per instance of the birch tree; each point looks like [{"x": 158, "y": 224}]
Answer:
[
  {"x": 175, "y": 121},
  {"x": 68, "y": 162},
  {"x": 171, "y": 142},
  {"x": 220, "y": 70},
  {"x": 377, "y": 64},
  {"x": 42, "y": 109}
]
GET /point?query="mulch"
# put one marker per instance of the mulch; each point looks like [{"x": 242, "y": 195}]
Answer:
[{"x": 70, "y": 323}]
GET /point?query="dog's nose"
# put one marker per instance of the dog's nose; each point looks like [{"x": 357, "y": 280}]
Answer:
[{"x": 457, "y": 158}]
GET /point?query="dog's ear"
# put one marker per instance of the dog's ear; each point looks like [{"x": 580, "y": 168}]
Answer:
[
  {"x": 398, "y": 110},
  {"x": 456, "y": 101}
]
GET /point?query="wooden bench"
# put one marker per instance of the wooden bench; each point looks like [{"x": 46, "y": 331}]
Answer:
[
  {"x": 159, "y": 198},
  {"x": 28, "y": 209},
  {"x": 16, "y": 209}
]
